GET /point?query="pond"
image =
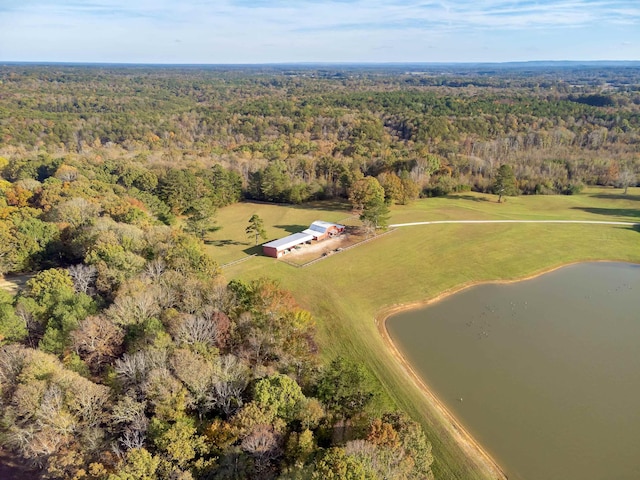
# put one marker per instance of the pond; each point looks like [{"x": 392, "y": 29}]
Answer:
[{"x": 544, "y": 373}]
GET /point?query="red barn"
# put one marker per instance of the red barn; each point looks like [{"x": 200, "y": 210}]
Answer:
[
  {"x": 321, "y": 230},
  {"x": 318, "y": 231},
  {"x": 282, "y": 246}
]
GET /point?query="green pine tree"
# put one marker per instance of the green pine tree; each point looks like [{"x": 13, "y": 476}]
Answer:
[{"x": 256, "y": 228}]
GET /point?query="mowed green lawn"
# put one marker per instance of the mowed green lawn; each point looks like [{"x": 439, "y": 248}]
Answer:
[
  {"x": 346, "y": 291},
  {"x": 231, "y": 243}
]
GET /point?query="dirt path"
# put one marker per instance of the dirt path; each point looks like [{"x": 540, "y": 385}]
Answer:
[
  {"x": 13, "y": 283},
  {"x": 583, "y": 222}
]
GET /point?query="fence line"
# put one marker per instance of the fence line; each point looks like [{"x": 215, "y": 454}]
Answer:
[
  {"x": 304, "y": 265},
  {"x": 345, "y": 249},
  {"x": 238, "y": 261}
]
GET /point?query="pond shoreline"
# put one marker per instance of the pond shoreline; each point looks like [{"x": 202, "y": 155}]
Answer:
[{"x": 468, "y": 444}]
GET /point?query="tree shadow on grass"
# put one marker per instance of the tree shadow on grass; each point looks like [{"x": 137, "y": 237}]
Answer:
[
  {"x": 467, "y": 197},
  {"x": 253, "y": 250},
  {"x": 339, "y": 204},
  {"x": 224, "y": 243},
  {"x": 616, "y": 196},
  {"x": 612, "y": 212},
  {"x": 324, "y": 205},
  {"x": 292, "y": 228}
]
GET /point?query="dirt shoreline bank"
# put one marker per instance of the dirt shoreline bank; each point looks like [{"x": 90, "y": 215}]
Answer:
[{"x": 472, "y": 448}]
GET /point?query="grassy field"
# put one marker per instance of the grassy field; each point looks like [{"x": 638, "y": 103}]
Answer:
[
  {"x": 346, "y": 292},
  {"x": 231, "y": 243}
]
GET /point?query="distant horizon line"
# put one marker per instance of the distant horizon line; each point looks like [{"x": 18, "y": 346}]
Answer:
[{"x": 329, "y": 63}]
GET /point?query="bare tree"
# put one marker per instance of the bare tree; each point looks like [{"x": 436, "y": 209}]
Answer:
[
  {"x": 263, "y": 444},
  {"x": 192, "y": 299},
  {"x": 388, "y": 463},
  {"x": 11, "y": 362},
  {"x": 168, "y": 289},
  {"x": 194, "y": 330},
  {"x": 67, "y": 173},
  {"x": 219, "y": 297},
  {"x": 44, "y": 442},
  {"x": 136, "y": 308},
  {"x": 97, "y": 340},
  {"x": 154, "y": 269},
  {"x": 50, "y": 410},
  {"x": 130, "y": 412},
  {"x": 89, "y": 405},
  {"x": 51, "y": 419},
  {"x": 84, "y": 277},
  {"x": 232, "y": 378},
  {"x": 132, "y": 439},
  {"x": 35, "y": 328},
  {"x": 198, "y": 374},
  {"x": 209, "y": 329},
  {"x": 222, "y": 324},
  {"x": 626, "y": 178},
  {"x": 133, "y": 369}
]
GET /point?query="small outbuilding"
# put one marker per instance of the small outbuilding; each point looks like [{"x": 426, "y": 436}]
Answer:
[{"x": 321, "y": 230}]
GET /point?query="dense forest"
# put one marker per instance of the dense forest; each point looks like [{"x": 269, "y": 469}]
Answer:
[
  {"x": 127, "y": 355},
  {"x": 294, "y": 134}
]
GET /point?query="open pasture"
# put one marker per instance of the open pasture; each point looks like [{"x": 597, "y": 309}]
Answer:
[{"x": 349, "y": 291}]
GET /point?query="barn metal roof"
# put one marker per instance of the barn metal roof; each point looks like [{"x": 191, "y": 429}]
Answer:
[
  {"x": 290, "y": 241},
  {"x": 321, "y": 226}
]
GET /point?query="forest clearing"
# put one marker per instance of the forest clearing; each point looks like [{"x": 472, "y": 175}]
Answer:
[{"x": 419, "y": 263}]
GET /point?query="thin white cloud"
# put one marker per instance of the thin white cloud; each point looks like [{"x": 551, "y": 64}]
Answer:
[{"x": 277, "y": 30}]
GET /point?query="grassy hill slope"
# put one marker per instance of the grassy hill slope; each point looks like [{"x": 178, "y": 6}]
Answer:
[{"x": 347, "y": 291}]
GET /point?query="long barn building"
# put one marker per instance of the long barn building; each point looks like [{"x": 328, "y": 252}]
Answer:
[{"x": 317, "y": 231}]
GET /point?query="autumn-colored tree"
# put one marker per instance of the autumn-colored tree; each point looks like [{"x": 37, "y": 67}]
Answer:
[
  {"x": 179, "y": 442},
  {"x": 366, "y": 191},
  {"x": 410, "y": 189},
  {"x": 335, "y": 464},
  {"x": 139, "y": 464},
  {"x": 393, "y": 189},
  {"x": 383, "y": 434},
  {"x": 97, "y": 340},
  {"x": 300, "y": 447}
]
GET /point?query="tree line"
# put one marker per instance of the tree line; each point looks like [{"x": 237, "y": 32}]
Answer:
[{"x": 295, "y": 135}]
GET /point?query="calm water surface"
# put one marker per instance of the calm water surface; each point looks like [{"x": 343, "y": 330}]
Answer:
[{"x": 544, "y": 373}]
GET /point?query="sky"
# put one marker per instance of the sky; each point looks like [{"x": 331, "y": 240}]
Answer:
[{"x": 284, "y": 31}]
